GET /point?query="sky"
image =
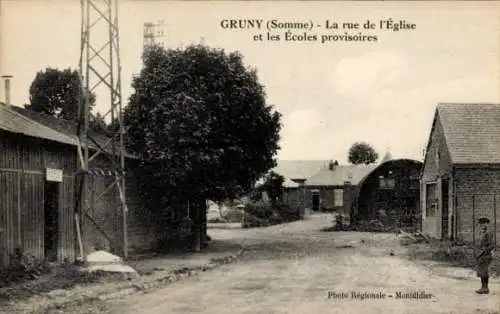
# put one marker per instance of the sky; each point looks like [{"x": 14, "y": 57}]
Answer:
[{"x": 330, "y": 94}]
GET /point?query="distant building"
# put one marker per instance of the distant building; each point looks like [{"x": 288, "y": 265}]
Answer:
[
  {"x": 331, "y": 188},
  {"x": 389, "y": 189},
  {"x": 296, "y": 172},
  {"x": 460, "y": 181},
  {"x": 389, "y": 193}
]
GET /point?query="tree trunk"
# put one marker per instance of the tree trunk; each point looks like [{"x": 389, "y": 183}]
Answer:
[
  {"x": 203, "y": 225},
  {"x": 199, "y": 218}
]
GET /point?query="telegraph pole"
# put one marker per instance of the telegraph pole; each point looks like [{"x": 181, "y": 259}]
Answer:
[{"x": 152, "y": 31}]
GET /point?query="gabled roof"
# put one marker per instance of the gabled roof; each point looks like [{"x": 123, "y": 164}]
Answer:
[
  {"x": 340, "y": 174},
  {"x": 22, "y": 121},
  {"x": 472, "y": 132},
  {"x": 290, "y": 184},
  {"x": 298, "y": 169}
]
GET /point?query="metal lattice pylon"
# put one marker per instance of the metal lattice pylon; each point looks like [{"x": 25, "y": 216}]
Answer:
[
  {"x": 100, "y": 69},
  {"x": 152, "y": 31}
]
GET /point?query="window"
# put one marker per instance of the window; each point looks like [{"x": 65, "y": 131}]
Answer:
[
  {"x": 382, "y": 184},
  {"x": 390, "y": 183},
  {"x": 431, "y": 200},
  {"x": 339, "y": 197},
  {"x": 386, "y": 183}
]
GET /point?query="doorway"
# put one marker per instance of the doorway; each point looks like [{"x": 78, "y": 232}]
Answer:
[
  {"x": 315, "y": 201},
  {"x": 445, "y": 184},
  {"x": 51, "y": 219}
]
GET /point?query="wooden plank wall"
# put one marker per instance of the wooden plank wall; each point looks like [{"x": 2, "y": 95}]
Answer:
[
  {"x": 22, "y": 178},
  {"x": 32, "y": 214},
  {"x": 9, "y": 189},
  {"x": 23, "y": 161}
]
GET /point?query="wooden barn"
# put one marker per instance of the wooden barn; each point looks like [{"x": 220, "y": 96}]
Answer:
[
  {"x": 38, "y": 158},
  {"x": 389, "y": 193}
]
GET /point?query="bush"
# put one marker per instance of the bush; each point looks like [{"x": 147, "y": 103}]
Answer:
[
  {"x": 260, "y": 214},
  {"x": 259, "y": 209},
  {"x": 177, "y": 236},
  {"x": 233, "y": 215},
  {"x": 287, "y": 213},
  {"x": 22, "y": 267}
]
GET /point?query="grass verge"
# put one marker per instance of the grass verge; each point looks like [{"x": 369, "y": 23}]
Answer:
[
  {"x": 60, "y": 278},
  {"x": 457, "y": 255}
]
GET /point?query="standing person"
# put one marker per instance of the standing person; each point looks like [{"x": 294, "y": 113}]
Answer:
[{"x": 484, "y": 255}]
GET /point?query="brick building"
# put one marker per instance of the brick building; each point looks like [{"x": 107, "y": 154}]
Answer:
[
  {"x": 331, "y": 189},
  {"x": 460, "y": 179},
  {"x": 296, "y": 172}
]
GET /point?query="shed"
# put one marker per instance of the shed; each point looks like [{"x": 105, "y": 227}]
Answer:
[{"x": 37, "y": 178}]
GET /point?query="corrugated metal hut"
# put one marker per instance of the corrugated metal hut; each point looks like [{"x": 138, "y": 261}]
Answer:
[{"x": 389, "y": 193}]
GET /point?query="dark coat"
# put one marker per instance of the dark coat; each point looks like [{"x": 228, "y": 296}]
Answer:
[{"x": 484, "y": 255}]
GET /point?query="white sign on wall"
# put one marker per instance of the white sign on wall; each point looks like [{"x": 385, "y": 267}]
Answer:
[{"x": 54, "y": 175}]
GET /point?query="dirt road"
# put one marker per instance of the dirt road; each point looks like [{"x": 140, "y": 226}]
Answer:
[{"x": 296, "y": 268}]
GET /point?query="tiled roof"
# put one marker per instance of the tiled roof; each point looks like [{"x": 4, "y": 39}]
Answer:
[
  {"x": 472, "y": 132},
  {"x": 19, "y": 120},
  {"x": 298, "y": 169},
  {"x": 340, "y": 174},
  {"x": 290, "y": 184}
]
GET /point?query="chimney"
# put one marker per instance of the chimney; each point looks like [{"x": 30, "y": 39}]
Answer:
[
  {"x": 6, "y": 79},
  {"x": 332, "y": 164}
]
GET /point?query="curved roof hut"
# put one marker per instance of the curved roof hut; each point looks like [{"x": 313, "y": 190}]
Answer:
[{"x": 389, "y": 193}]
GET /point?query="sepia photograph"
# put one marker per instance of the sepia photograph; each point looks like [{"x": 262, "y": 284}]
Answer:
[{"x": 170, "y": 156}]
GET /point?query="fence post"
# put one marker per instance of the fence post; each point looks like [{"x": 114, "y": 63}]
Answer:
[
  {"x": 455, "y": 219},
  {"x": 474, "y": 224},
  {"x": 495, "y": 218}
]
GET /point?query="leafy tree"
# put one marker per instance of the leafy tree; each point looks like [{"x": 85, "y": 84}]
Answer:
[
  {"x": 362, "y": 153},
  {"x": 114, "y": 125},
  {"x": 273, "y": 185},
  {"x": 97, "y": 123},
  {"x": 199, "y": 120},
  {"x": 57, "y": 92}
]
